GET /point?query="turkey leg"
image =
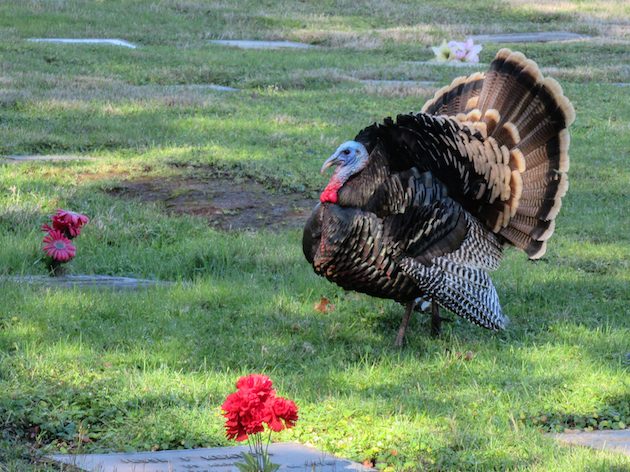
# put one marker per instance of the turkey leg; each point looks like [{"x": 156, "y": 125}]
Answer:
[
  {"x": 403, "y": 324},
  {"x": 436, "y": 319}
]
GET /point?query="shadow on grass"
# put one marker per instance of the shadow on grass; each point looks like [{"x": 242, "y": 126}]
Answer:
[{"x": 159, "y": 357}]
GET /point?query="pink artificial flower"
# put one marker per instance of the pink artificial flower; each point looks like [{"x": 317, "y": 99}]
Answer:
[
  {"x": 457, "y": 50},
  {"x": 47, "y": 228},
  {"x": 69, "y": 222},
  {"x": 57, "y": 246},
  {"x": 471, "y": 51},
  {"x": 466, "y": 51}
]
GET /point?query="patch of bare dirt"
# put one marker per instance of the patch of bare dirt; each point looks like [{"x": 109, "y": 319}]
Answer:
[{"x": 227, "y": 203}]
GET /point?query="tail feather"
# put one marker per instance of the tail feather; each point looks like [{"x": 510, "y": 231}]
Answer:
[
  {"x": 528, "y": 115},
  {"x": 525, "y": 242},
  {"x": 532, "y": 226},
  {"x": 455, "y": 97},
  {"x": 540, "y": 112}
]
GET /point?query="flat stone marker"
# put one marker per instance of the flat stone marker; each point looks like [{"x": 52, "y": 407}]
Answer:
[
  {"x": 290, "y": 457},
  {"x": 86, "y": 281},
  {"x": 448, "y": 63},
  {"x": 254, "y": 44},
  {"x": 220, "y": 88},
  {"x": 195, "y": 87},
  {"x": 45, "y": 157},
  {"x": 618, "y": 441},
  {"x": 108, "y": 41},
  {"x": 539, "y": 37},
  {"x": 400, "y": 83}
]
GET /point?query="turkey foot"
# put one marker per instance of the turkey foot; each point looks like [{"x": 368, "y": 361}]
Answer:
[{"x": 403, "y": 324}]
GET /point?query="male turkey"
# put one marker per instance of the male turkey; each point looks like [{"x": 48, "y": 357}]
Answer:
[{"x": 421, "y": 207}]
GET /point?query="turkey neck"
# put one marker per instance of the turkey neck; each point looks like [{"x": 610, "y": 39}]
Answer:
[{"x": 359, "y": 188}]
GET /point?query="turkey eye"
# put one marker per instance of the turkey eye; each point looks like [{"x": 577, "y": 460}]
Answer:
[{"x": 346, "y": 152}]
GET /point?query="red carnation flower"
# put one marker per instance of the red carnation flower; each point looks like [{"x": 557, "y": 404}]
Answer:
[
  {"x": 285, "y": 410},
  {"x": 260, "y": 384},
  {"x": 69, "y": 222},
  {"x": 244, "y": 413},
  {"x": 254, "y": 404},
  {"x": 247, "y": 410},
  {"x": 58, "y": 246}
]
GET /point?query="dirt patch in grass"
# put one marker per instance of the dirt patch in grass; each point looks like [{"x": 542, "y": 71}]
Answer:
[{"x": 228, "y": 203}]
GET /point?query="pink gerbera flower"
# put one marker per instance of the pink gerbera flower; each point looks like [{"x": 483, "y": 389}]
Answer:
[
  {"x": 69, "y": 222},
  {"x": 57, "y": 246}
]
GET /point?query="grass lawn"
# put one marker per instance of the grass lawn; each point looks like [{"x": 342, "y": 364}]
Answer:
[{"x": 94, "y": 371}]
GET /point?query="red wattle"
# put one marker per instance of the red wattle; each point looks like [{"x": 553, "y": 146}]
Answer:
[{"x": 330, "y": 192}]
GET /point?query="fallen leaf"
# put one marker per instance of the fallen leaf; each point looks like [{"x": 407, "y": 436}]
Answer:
[{"x": 324, "y": 306}]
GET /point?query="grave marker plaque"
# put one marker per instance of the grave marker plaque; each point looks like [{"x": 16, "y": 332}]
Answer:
[
  {"x": 533, "y": 37},
  {"x": 45, "y": 158},
  {"x": 290, "y": 457},
  {"x": 257, "y": 44},
  {"x": 106, "y": 41},
  {"x": 86, "y": 281},
  {"x": 609, "y": 440}
]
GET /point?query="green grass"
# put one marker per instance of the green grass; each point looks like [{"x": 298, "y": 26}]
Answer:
[{"x": 149, "y": 369}]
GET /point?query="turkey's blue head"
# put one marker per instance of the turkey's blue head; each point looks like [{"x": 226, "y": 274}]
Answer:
[{"x": 350, "y": 158}]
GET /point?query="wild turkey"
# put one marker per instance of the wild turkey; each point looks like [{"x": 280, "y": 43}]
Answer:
[{"x": 422, "y": 206}]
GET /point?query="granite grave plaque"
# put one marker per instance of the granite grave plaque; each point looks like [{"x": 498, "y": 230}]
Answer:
[
  {"x": 257, "y": 44},
  {"x": 106, "y": 41},
  {"x": 618, "y": 441},
  {"x": 533, "y": 37},
  {"x": 86, "y": 281},
  {"x": 290, "y": 457},
  {"x": 433, "y": 62},
  {"x": 399, "y": 83},
  {"x": 45, "y": 158}
]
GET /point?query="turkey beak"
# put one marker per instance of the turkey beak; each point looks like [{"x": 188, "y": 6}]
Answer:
[{"x": 331, "y": 161}]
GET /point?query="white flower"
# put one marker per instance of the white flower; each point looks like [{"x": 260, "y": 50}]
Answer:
[{"x": 442, "y": 52}]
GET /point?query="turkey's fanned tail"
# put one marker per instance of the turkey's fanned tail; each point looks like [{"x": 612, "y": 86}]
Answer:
[{"x": 514, "y": 106}]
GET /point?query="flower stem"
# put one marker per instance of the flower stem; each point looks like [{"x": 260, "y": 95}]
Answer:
[
  {"x": 268, "y": 442},
  {"x": 55, "y": 268}
]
